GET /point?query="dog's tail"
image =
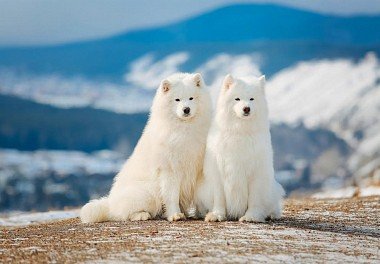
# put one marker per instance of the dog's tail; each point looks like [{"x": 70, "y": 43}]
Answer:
[{"x": 95, "y": 211}]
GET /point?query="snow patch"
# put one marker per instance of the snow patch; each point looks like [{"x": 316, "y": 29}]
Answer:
[
  {"x": 22, "y": 219},
  {"x": 370, "y": 191},
  {"x": 348, "y": 192}
]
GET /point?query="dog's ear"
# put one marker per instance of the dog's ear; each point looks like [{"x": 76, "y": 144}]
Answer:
[
  {"x": 198, "y": 80},
  {"x": 165, "y": 85},
  {"x": 262, "y": 82},
  {"x": 228, "y": 81}
]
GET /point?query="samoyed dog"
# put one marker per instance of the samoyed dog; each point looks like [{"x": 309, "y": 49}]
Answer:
[
  {"x": 159, "y": 177},
  {"x": 238, "y": 181}
]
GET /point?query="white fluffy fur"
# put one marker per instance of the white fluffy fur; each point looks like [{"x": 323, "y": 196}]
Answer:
[
  {"x": 239, "y": 178},
  {"x": 167, "y": 160}
]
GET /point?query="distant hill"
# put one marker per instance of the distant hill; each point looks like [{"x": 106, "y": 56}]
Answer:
[
  {"x": 26, "y": 125},
  {"x": 280, "y": 34}
]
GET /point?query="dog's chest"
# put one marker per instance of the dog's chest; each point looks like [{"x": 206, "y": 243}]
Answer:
[
  {"x": 236, "y": 194},
  {"x": 183, "y": 149},
  {"x": 236, "y": 155},
  {"x": 236, "y": 162},
  {"x": 186, "y": 137}
]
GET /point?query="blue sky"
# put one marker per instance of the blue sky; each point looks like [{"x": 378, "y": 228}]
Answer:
[{"x": 40, "y": 22}]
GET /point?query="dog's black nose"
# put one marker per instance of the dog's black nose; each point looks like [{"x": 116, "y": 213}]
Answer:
[
  {"x": 186, "y": 110},
  {"x": 246, "y": 110}
]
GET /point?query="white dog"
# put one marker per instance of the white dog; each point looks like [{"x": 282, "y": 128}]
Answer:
[
  {"x": 164, "y": 167},
  {"x": 239, "y": 178}
]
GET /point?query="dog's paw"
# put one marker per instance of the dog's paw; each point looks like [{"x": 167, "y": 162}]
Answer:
[
  {"x": 140, "y": 216},
  {"x": 215, "y": 217},
  {"x": 176, "y": 217},
  {"x": 275, "y": 215},
  {"x": 252, "y": 218}
]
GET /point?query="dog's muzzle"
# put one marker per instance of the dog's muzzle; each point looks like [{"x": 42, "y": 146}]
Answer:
[{"x": 246, "y": 111}]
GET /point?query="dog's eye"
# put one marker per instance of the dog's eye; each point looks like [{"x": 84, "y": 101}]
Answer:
[
  {"x": 191, "y": 98},
  {"x": 177, "y": 100},
  {"x": 251, "y": 99},
  {"x": 237, "y": 99}
]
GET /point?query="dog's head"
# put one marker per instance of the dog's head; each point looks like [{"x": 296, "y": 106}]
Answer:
[
  {"x": 243, "y": 97},
  {"x": 182, "y": 95}
]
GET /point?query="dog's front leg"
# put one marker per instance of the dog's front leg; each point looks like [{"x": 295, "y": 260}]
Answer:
[
  {"x": 170, "y": 187},
  {"x": 255, "y": 211},
  {"x": 260, "y": 186},
  {"x": 218, "y": 212}
]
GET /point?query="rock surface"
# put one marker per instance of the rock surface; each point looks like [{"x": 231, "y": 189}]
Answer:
[{"x": 334, "y": 230}]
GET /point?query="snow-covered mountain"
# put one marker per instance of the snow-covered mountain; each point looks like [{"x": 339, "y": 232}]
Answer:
[{"x": 341, "y": 95}]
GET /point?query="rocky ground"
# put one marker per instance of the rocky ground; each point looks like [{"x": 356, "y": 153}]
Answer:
[{"x": 330, "y": 230}]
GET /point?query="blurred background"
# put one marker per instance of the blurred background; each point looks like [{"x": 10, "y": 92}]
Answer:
[{"x": 77, "y": 79}]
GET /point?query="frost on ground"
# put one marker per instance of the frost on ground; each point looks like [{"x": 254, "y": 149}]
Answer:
[{"x": 335, "y": 230}]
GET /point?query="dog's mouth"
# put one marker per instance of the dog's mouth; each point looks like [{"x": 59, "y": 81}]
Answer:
[
  {"x": 186, "y": 117},
  {"x": 246, "y": 114}
]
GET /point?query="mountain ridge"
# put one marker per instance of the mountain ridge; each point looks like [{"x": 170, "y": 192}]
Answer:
[
  {"x": 251, "y": 13},
  {"x": 251, "y": 6}
]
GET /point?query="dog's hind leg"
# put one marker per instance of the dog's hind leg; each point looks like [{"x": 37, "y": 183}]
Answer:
[{"x": 135, "y": 202}]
